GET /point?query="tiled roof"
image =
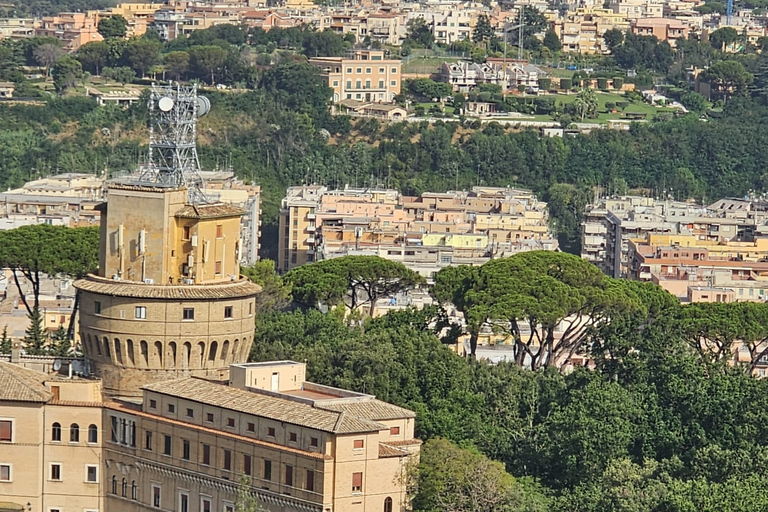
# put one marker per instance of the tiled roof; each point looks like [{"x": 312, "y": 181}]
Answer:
[
  {"x": 209, "y": 211},
  {"x": 224, "y": 290},
  {"x": 374, "y": 410},
  {"x": 386, "y": 450},
  {"x": 279, "y": 409},
  {"x": 19, "y": 384}
]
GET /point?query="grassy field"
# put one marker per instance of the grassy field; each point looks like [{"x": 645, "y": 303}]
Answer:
[
  {"x": 427, "y": 65},
  {"x": 639, "y": 107}
]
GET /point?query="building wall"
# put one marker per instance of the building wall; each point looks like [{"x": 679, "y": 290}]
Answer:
[{"x": 129, "y": 352}]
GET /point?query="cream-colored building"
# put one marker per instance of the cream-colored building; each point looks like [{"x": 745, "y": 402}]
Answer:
[
  {"x": 301, "y": 446},
  {"x": 366, "y": 76},
  {"x": 581, "y": 31},
  {"x": 50, "y": 442}
]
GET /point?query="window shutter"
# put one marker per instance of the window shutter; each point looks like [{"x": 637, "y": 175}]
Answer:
[{"x": 357, "y": 479}]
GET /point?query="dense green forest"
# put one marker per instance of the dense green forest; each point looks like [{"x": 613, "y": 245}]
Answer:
[{"x": 656, "y": 426}]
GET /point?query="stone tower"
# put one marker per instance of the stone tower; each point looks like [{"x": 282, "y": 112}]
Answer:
[{"x": 168, "y": 300}]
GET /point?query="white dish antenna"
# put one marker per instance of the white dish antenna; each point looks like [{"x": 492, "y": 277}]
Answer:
[
  {"x": 203, "y": 106},
  {"x": 57, "y": 365},
  {"x": 165, "y": 104}
]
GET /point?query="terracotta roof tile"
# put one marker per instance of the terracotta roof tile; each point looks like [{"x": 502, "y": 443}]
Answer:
[
  {"x": 279, "y": 409},
  {"x": 224, "y": 290},
  {"x": 375, "y": 410},
  {"x": 18, "y": 384},
  {"x": 209, "y": 211}
]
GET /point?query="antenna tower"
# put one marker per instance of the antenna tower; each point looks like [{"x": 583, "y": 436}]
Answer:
[{"x": 172, "y": 158}]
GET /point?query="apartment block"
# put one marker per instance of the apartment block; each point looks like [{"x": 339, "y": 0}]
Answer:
[
  {"x": 364, "y": 75},
  {"x": 18, "y": 28},
  {"x": 664, "y": 29},
  {"x": 611, "y": 223},
  {"x": 51, "y": 439},
  {"x": 73, "y": 29},
  {"x": 581, "y": 30},
  {"x": 425, "y": 233}
]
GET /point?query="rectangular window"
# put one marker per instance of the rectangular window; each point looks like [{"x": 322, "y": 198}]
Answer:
[
  {"x": 289, "y": 475},
  {"x": 394, "y": 431},
  {"x": 357, "y": 482},
  {"x": 267, "y": 470},
  {"x": 359, "y": 70},
  {"x": 209, "y": 417},
  {"x": 231, "y": 422},
  {"x": 247, "y": 464},
  {"x": 92, "y": 474},
  {"x": 217, "y": 267},
  {"x": 190, "y": 413},
  {"x": 381, "y": 84},
  {"x": 227, "y": 460},
  {"x": 166, "y": 444},
  {"x": 185, "y": 236},
  {"x": 148, "y": 440},
  {"x": 183, "y": 502},
  {"x": 55, "y": 471},
  {"x": 141, "y": 312},
  {"x": 349, "y": 84},
  {"x": 394, "y": 71},
  {"x": 310, "y": 480},
  {"x": 393, "y": 83},
  {"x": 114, "y": 428},
  {"x": 205, "y": 504},
  {"x": 292, "y": 437},
  {"x": 250, "y": 308},
  {"x": 381, "y": 70},
  {"x": 207, "y": 455},
  {"x": 251, "y": 427},
  {"x": 188, "y": 314},
  {"x": 349, "y": 70},
  {"x": 156, "y": 496},
  {"x": 228, "y": 312},
  {"x": 5, "y": 473},
  {"x": 229, "y": 507},
  {"x": 335, "y": 83},
  {"x": 185, "y": 449},
  {"x": 153, "y": 404},
  {"x": 96, "y": 307},
  {"x": 367, "y": 71},
  {"x": 171, "y": 408},
  {"x": 271, "y": 431},
  {"x": 313, "y": 441},
  {"x": 219, "y": 231},
  {"x": 6, "y": 431}
]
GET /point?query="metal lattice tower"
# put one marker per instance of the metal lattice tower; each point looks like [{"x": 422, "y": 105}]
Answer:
[{"x": 172, "y": 159}]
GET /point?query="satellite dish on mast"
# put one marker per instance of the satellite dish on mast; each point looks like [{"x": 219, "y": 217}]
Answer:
[
  {"x": 203, "y": 106},
  {"x": 165, "y": 104},
  {"x": 57, "y": 365}
]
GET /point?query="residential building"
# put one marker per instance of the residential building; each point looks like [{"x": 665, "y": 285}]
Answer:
[
  {"x": 138, "y": 15},
  {"x": 465, "y": 75},
  {"x": 73, "y": 29},
  {"x": 581, "y": 31},
  {"x": 6, "y": 90},
  {"x": 611, "y": 223},
  {"x": 425, "y": 233},
  {"x": 638, "y": 9},
  {"x": 365, "y": 75},
  {"x": 18, "y": 28},
  {"x": 300, "y": 445},
  {"x": 664, "y": 29},
  {"x": 453, "y": 25},
  {"x": 51, "y": 439}
]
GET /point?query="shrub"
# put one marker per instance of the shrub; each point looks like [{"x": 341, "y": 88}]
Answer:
[
  {"x": 545, "y": 84},
  {"x": 566, "y": 83},
  {"x": 602, "y": 83},
  {"x": 610, "y": 106}
]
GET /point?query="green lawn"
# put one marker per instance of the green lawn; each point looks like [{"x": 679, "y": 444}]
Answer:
[
  {"x": 607, "y": 97},
  {"x": 427, "y": 65}
]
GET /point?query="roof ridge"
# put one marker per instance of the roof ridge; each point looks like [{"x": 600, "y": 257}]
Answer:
[
  {"x": 339, "y": 421},
  {"x": 22, "y": 384}
]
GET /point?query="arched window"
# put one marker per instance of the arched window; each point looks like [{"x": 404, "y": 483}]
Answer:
[
  {"x": 224, "y": 351},
  {"x": 93, "y": 434},
  {"x": 131, "y": 355},
  {"x": 118, "y": 352},
  {"x": 144, "y": 353},
  {"x": 95, "y": 343},
  {"x": 235, "y": 349},
  {"x": 134, "y": 491},
  {"x": 56, "y": 432},
  {"x": 187, "y": 354},
  {"x": 106, "y": 348},
  {"x": 172, "y": 355},
  {"x": 159, "y": 353},
  {"x": 201, "y": 353},
  {"x": 212, "y": 352},
  {"x": 387, "y": 504},
  {"x": 74, "y": 433},
  {"x": 124, "y": 488},
  {"x": 114, "y": 484}
]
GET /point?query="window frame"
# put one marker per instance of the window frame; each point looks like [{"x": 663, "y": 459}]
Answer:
[
  {"x": 140, "y": 312},
  {"x": 96, "y": 474},
  {"x": 11, "y": 424},
  {"x": 157, "y": 497},
  {"x": 188, "y": 314},
  {"x": 8, "y": 465},
  {"x": 229, "y": 312},
  {"x": 52, "y": 465}
]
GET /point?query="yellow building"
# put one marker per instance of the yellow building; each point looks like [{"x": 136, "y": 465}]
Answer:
[
  {"x": 581, "y": 31},
  {"x": 366, "y": 76},
  {"x": 50, "y": 442}
]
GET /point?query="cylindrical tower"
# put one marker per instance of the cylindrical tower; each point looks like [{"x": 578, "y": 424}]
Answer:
[
  {"x": 135, "y": 333},
  {"x": 168, "y": 301}
]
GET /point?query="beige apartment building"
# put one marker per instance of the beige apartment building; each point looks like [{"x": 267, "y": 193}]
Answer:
[
  {"x": 366, "y": 76},
  {"x": 425, "y": 233},
  {"x": 73, "y": 29},
  {"x": 50, "y": 442},
  {"x": 301, "y": 446},
  {"x": 581, "y": 31}
]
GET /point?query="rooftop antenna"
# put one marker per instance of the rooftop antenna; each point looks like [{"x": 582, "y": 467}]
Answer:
[{"x": 172, "y": 157}]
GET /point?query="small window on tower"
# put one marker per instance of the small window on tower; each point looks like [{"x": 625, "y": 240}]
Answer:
[
  {"x": 219, "y": 231},
  {"x": 186, "y": 232},
  {"x": 218, "y": 267}
]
